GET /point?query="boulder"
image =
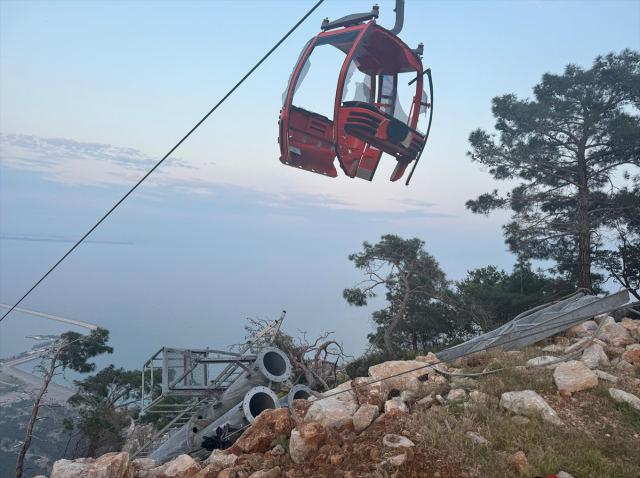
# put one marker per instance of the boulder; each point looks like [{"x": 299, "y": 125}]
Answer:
[
  {"x": 632, "y": 354},
  {"x": 396, "y": 441},
  {"x": 221, "y": 460},
  {"x": 343, "y": 391},
  {"x": 305, "y": 439},
  {"x": 300, "y": 408},
  {"x": 542, "y": 361},
  {"x": 528, "y": 402},
  {"x": 581, "y": 343},
  {"x": 584, "y": 329},
  {"x": 182, "y": 467},
  {"x": 456, "y": 394},
  {"x": 574, "y": 376},
  {"x": 372, "y": 394},
  {"x": 408, "y": 381},
  {"x": 429, "y": 358},
  {"x": 518, "y": 461},
  {"x": 272, "y": 473},
  {"x": 622, "y": 396},
  {"x": 593, "y": 356},
  {"x": 477, "y": 438},
  {"x": 331, "y": 412},
  {"x": 395, "y": 404},
  {"x": 605, "y": 376},
  {"x": 633, "y": 327},
  {"x": 110, "y": 465},
  {"x": 265, "y": 429},
  {"x": 615, "y": 335},
  {"x": 478, "y": 397},
  {"x": 364, "y": 417},
  {"x": 554, "y": 349}
]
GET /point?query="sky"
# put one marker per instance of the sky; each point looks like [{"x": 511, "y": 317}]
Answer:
[{"x": 93, "y": 93}]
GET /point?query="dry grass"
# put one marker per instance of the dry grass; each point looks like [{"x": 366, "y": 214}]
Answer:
[
  {"x": 548, "y": 448},
  {"x": 597, "y": 439}
]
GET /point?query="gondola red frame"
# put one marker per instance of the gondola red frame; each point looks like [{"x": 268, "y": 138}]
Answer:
[{"x": 360, "y": 130}]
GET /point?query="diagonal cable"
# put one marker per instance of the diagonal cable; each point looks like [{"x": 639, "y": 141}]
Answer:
[{"x": 169, "y": 153}]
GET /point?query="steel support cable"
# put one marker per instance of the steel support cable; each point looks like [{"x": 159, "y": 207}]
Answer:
[
  {"x": 568, "y": 321},
  {"x": 169, "y": 153}
]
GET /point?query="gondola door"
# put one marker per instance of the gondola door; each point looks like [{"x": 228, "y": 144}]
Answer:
[{"x": 307, "y": 137}]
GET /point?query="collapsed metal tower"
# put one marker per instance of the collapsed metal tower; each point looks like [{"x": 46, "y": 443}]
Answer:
[{"x": 206, "y": 413}]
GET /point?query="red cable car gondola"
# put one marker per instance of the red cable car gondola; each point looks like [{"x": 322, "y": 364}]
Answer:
[{"x": 368, "y": 118}]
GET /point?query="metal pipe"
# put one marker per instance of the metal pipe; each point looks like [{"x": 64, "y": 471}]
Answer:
[
  {"x": 217, "y": 434},
  {"x": 270, "y": 365},
  {"x": 397, "y": 28},
  {"x": 296, "y": 393}
]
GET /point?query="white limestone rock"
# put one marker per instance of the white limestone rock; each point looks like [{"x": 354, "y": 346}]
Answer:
[
  {"x": 110, "y": 465},
  {"x": 221, "y": 460},
  {"x": 622, "y": 396},
  {"x": 479, "y": 397},
  {"x": 408, "y": 381},
  {"x": 305, "y": 439},
  {"x": 615, "y": 335},
  {"x": 331, "y": 412},
  {"x": 584, "y": 329},
  {"x": 395, "y": 441},
  {"x": 542, "y": 361},
  {"x": 606, "y": 376},
  {"x": 528, "y": 402},
  {"x": 633, "y": 327},
  {"x": 594, "y": 356},
  {"x": 364, "y": 417},
  {"x": 581, "y": 343},
  {"x": 456, "y": 394},
  {"x": 395, "y": 404},
  {"x": 182, "y": 467},
  {"x": 563, "y": 474},
  {"x": 574, "y": 376}
]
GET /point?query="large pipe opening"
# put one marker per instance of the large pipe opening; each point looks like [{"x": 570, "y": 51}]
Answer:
[
  {"x": 260, "y": 402},
  {"x": 275, "y": 364},
  {"x": 301, "y": 395}
]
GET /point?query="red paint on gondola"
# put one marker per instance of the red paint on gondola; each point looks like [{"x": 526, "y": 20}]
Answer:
[{"x": 362, "y": 129}]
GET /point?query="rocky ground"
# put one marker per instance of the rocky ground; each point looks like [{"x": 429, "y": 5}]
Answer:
[{"x": 578, "y": 418}]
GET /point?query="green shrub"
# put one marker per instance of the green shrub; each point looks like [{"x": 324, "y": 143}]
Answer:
[
  {"x": 283, "y": 441},
  {"x": 360, "y": 366}
]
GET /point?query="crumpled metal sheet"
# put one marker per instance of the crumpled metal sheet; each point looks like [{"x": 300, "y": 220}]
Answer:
[{"x": 536, "y": 325}]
